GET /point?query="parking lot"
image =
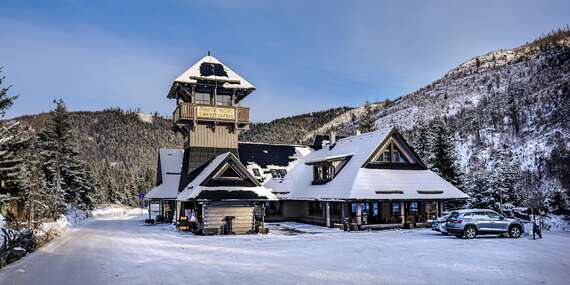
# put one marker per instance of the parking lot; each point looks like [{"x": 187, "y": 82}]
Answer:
[{"x": 124, "y": 251}]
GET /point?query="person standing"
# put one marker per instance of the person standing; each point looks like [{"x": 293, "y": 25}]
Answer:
[{"x": 535, "y": 225}]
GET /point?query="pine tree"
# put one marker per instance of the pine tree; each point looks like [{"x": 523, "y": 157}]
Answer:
[
  {"x": 423, "y": 143},
  {"x": 558, "y": 202},
  {"x": 68, "y": 180},
  {"x": 476, "y": 184},
  {"x": 367, "y": 123},
  {"x": 505, "y": 180},
  {"x": 444, "y": 160},
  {"x": 5, "y": 100},
  {"x": 13, "y": 144}
]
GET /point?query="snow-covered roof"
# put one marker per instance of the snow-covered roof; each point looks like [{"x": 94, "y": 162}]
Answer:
[
  {"x": 228, "y": 77},
  {"x": 195, "y": 187},
  {"x": 170, "y": 164},
  {"x": 357, "y": 182}
]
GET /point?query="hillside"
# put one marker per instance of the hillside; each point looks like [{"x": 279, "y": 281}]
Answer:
[
  {"x": 517, "y": 98},
  {"x": 121, "y": 147},
  {"x": 294, "y": 129}
]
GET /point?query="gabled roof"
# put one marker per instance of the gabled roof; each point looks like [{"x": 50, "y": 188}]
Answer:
[
  {"x": 197, "y": 187},
  {"x": 170, "y": 165},
  {"x": 354, "y": 181},
  {"x": 264, "y": 154},
  {"x": 210, "y": 68}
]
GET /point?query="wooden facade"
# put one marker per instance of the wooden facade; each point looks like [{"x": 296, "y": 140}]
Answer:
[
  {"x": 228, "y": 218},
  {"x": 216, "y": 193}
]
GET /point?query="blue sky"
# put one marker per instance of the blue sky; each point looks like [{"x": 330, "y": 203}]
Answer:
[{"x": 301, "y": 56}]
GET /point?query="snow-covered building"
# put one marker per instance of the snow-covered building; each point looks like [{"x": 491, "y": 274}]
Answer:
[
  {"x": 216, "y": 193},
  {"x": 162, "y": 197},
  {"x": 217, "y": 185},
  {"x": 374, "y": 179}
]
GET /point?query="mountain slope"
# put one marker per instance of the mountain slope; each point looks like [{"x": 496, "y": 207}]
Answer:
[{"x": 518, "y": 98}]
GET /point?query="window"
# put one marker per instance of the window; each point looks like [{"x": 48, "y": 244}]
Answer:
[
  {"x": 336, "y": 209},
  {"x": 203, "y": 98},
  {"x": 323, "y": 172},
  {"x": 278, "y": 173},
  {"x": 396, "y": 209},
  {"x": 315, "y": 208},
  {"x": 385, "y": 156},
  {"x": 392, "y": 155},
  {"x": 493, "y": 216},
  {"x": 414, "y": 207},
  {"x": 397, "y": 156},
  {"x": 223, "y": 100}
]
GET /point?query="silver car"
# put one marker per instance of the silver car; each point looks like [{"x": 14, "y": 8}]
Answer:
[
  {"x": 472, "y": 222},
  {"x": 438, "y": 224}
]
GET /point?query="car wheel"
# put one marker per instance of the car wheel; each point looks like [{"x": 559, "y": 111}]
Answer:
[
  {"x": 470, "y": 232},
  {"x": 515, "y": 232}
]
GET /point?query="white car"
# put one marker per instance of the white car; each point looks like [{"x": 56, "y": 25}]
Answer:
[{"x": 439, "y": 223}]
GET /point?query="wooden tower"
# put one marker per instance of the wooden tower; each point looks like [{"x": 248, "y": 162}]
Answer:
[{"x": 207, "y": 111}]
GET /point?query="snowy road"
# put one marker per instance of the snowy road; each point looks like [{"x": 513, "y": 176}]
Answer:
[{"x": 123, "y": 251}]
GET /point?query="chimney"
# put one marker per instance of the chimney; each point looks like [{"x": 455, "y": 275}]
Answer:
[{"x": 332, "y": 138}]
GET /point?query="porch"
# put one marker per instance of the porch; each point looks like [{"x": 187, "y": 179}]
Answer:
[{"x": 374, "y": 214}]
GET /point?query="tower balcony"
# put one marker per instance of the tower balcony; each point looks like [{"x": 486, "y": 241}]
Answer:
[{"x": 190, "y": 113}]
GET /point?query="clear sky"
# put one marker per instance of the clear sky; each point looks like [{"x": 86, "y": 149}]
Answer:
[{"x": 302, "y": 55}]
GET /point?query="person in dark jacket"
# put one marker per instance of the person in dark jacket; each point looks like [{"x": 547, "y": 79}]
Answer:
[{"x": 535, "y": 225}]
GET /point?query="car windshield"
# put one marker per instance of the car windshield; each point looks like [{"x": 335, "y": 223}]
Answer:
[{"x": 454, "y": 215}]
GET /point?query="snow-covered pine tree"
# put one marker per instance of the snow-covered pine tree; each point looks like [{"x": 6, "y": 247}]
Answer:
[
  {"x": 67, "y": 178},
  {"x": 423, "y": 142},
  {"x": 476, "y": 184},
  {"x": 558, "y": 201},
  {"x": 13, "y": 141},
  {"x": 367, "y": 123},
  {"x": 505, "y": 180},
  {"x": 444, "y": 160},
  {"x": 6, "y": 101}
]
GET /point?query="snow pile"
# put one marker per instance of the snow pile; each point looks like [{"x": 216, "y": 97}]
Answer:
[
  {"x": 76, "y": 216},
  {"x": 145, "y": 118},
  {"x": 556, "y": 223},
  {"x": 50, "y": 230},
  {"x": 116, "y": 211}
]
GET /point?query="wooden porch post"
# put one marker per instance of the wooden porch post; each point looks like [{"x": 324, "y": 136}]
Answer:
[
  {"x": 328, "y": 213},
  {"x": 402, "y": 213},
  {"x": 437, "y": 209},
  {"x": 359, "y": 214},
  {"x": 342, "y": 212}
]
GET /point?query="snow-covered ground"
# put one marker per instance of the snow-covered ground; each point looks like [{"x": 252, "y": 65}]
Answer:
[{"x": 122, "y": 250}]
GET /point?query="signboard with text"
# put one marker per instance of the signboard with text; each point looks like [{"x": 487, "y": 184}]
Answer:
[{"x": 210, "y": 112}]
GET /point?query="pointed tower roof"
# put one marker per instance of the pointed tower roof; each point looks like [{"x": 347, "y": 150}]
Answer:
[{"x": 210, "y": 68}]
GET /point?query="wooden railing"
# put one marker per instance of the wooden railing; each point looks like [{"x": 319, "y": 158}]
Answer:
[{"x": 188, "y": 112}]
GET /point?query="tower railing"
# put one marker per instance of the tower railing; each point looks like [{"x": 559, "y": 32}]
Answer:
[{"x": 188, "y": 112}]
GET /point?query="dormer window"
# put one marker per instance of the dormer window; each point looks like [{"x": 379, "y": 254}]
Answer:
[
  {"x": 203, "y": 98},
  {"x": 392, "y": 154},
  {"x": 326, "y": 170}
]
